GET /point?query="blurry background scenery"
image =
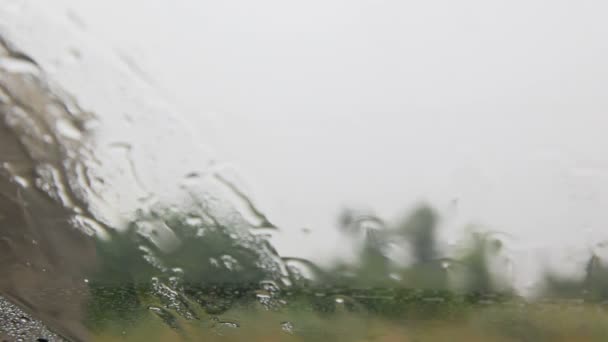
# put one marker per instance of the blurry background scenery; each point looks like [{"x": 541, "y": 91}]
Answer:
[
  {"x": 409, "y": 160},
  {"x": 492, "y": 112}
]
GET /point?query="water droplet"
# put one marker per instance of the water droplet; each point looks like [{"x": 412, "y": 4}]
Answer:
[
  {"x": 194, "y": 221},
  {"x": 159, "y": 234},
  {"x": 21, "y": 181},
  {"x": 269, "y": 285},
  {"x": 243, "y": 204},
  {"x": 287, "y": 327},
  {"x": 18, "y": 65},
  {"x": 50, "y": 180},
  {"x": 232, "y": 325},
  {"x": 395, "y": 276},
  {"x": 286, "y": 281},
  {"x": 263, "y": 295},
  {"x": 155, "y": 309},
  {"x": 193, "y": 175},
  {"x": 68, "y": 130}
]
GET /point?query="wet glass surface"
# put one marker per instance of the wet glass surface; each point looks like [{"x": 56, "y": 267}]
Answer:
[{"x": 281, "y": 178}]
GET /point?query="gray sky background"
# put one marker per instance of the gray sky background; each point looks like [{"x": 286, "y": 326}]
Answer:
[{"x": 493, "y": 111}]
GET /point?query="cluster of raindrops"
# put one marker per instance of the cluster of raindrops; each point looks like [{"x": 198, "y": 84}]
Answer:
[
  {"x": 21, "y": 327},
  {"x": 51, "y": 129},
  {"x": 172, "y": 298},
  {"x": 287, "y": 327},
  {"x": 269, "y": 295}
]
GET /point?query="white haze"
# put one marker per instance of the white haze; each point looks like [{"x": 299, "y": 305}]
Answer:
[{"x": 494, "y": 112}]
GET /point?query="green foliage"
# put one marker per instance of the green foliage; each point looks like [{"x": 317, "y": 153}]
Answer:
[
  {"x": 167, "y": 260},
  {"x": 199, "y": 268},
  {"x": 420, "y": 229},
  {"x": 479, "y": 277},
  {"x": 593, "y": 287}
]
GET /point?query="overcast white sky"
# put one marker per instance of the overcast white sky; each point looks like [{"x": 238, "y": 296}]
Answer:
[{"x": 493, "y": 111}]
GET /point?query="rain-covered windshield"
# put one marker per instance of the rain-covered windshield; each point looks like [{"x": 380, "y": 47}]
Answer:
[{"x": 315, "y": 171}]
